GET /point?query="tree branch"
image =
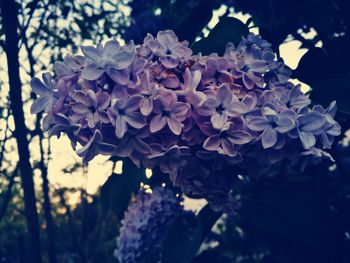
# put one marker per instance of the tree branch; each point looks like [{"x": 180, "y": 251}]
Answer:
[
  {"x": 9, "y": 11},
  {"x": 8, "y": 193},
  {"x": 33, "y": 6}
]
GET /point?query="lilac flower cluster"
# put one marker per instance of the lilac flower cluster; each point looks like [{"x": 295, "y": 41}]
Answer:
[
  {"x": 145, "y": 224},
  {"x": 191, "y": 115}
]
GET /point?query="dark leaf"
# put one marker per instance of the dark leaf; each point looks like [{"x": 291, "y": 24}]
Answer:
[
  {"x": 115, "y": 195},
  {"x": 228, "y": 29},
  {"x": 193, "y": 24},
  {"x": 158, "y": 178},
  {"x": 326, "y": 90},
  {"x": 133, "y": 175},
  {"x": 178, "y": 245},
  {"x": 186, "y": 235},
  {"x": 298, "y": 212},
  {"x": 117, "y": 190},
  {"x": 313, "y": 64}
]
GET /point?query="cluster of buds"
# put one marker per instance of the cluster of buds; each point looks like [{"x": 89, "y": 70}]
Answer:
[{"x": 145, "y": 224}]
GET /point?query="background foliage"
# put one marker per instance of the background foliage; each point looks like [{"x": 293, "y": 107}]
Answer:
[{"x": 284, "y": 217}]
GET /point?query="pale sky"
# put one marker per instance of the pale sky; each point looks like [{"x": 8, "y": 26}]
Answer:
[{"x": 99, "y": 169}]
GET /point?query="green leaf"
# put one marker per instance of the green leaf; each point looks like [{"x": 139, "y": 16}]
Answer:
[
  {"x": 312, "y": 65},
  {"x": 298, "y": 212},
  {"x": 115, "y": 195},
  {"x": 133, "y": 175},
  {"x": 228, "y": 29},
  {"x": 178, "y": 245},
  {"x": 327, "y": 90},
  {"x": 192, "y": 24},
  {"x": 327, "y": 73},
  {"x": 186, "y": 235},
  {"x": 158, "y": 178},
  {"x": 330, "y": 61},
  {"x": 116, "y": 192}
]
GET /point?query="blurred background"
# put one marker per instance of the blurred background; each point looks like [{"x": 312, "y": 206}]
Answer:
[{"x": 54, "y": 206}]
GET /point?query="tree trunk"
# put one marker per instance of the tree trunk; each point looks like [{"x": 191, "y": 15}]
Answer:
[
  {"x": 76, "y": 243},
  {"x": 47, "y": 207},
  {"x": 50, "y": 225},
  {"x": 7, "y": 196},
  {"x": 9, "y": 11}
]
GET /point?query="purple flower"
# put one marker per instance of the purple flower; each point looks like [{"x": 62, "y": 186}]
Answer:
[
  {"x": 247, "y": 66},
  {"x": 278, "y": 94},
  {"x": 189, "y": 88},
  {"x": 225, "y": 140},
  {"x": 130, "y": 76},
  {"x": 308, "y": 126},
  {"x": 194, "y": 117},
  {"x": 135, "y": 70},
  {"x": 150, "y": 92},
  {"x": 251, "y": 69},
  {"x": 69, "y": 67},
  {"x": 125, "y": 112},
  {"x": 221, "y": 106},
  {"x": 132, "y": 145},
  {"x": 91, "y": 107},
  {"x": 331, "y": 127},
  {"x": 297, "y": 99},
  {"x": 317, "y": 153},
  {"x": 169, "y": 112},
  {"x": 95, "y": 146},
  {"x": 144, "y": 50},
  {"x": 250, "y": 100},
  {"x": 169, "y": 160},
  {"x": 192, "y": 134},
  {"x": 111, "y": 58},
  {"x": 169, "y": 49},
  {"x": 217, "y": 70},
  {"x": 61, "y": 123},
  {"x": 145, "y": 224},
  {"x": 280, "y": 72},
  {"x": 272, "y": 124},
  {"x": 46, "y": 91},
  {"x": 254, "y": 42}
]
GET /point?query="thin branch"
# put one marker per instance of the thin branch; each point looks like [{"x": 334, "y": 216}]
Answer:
[
  {"x": 8, "y": 193},
  {"x": 33, "y": 7},
  {"x": 43, "y": 168},
  {"x": 41, "y": 24},
  {"x": 2, "y": 150},
  {"x": 10, "y": 23},
  {"x": 78, "y": 248},
  {"x": 298, "y": 8}
]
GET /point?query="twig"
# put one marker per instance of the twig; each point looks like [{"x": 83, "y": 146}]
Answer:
[
  {"x": 5, "y": 139},
  {"x": 7, "y": 196},
  {"x": 24, "y": 28}
]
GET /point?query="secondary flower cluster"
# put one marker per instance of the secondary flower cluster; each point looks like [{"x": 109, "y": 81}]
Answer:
[
  {"x": 191, "y": 115},
  {"x": 145, "y": 225}
]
